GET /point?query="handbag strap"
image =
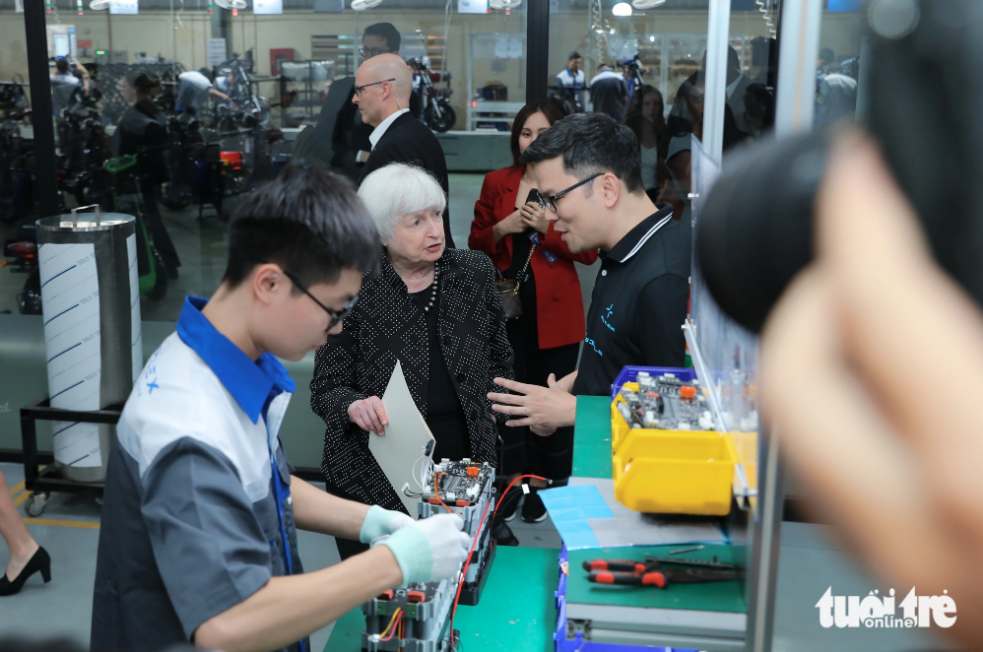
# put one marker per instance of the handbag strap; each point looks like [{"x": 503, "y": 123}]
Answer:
[{"x": 519, "y": 276}]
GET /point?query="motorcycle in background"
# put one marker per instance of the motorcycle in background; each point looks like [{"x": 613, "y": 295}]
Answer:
[
  {"x": 438, "y": 114},
  {"x": 245, "y": 108}
]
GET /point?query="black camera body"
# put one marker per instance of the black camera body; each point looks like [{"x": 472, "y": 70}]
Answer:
[{"x": 924, "y": 109}]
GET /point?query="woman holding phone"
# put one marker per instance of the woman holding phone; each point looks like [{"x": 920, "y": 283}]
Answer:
[{"x": 510, "y": 226}]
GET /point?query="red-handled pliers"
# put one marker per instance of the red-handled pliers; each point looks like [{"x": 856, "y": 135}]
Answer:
[
  {"x": 664, "y": 576},
  {"x": 653, "y": 578},
  {"x": 621, "y": 565}
]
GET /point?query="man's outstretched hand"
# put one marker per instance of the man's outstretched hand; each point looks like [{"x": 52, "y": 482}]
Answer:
[{"x": 532, "y": 405}]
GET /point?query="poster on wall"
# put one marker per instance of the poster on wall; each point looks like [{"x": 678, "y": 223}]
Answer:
[
  {"x": 472, "y": 6},
  {"x": 61, "y": 41},
  {"x": 509, "y": 47},
  {"x": 124, "y": 7},
  {"x": 217, "y": 54},
  {"x": 267, "y": 7}
]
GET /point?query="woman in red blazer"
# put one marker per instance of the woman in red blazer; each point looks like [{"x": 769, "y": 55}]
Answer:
[{"x": 546, "y": 338}]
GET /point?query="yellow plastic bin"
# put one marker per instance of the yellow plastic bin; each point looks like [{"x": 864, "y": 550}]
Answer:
[
  {"x": 675, "y": 472},
  {"x": 619, "y": 427}
]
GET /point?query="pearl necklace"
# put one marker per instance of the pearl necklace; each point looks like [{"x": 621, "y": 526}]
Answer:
[{"x": 433, "y": 294}]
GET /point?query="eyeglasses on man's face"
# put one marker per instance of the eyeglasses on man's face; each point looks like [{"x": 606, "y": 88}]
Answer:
[
  {"x": 549, "y": 202},
  {"x": 336, "y": 317},
  {"x": 359, "y": 89}
]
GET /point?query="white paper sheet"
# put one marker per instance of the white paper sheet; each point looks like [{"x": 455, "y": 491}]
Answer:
[
  {"x": 70, "y": 303},
  {"x": 407, "y": 436}
]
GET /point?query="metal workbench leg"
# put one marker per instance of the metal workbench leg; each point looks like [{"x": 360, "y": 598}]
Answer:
[{"x": 29, "y": 442}]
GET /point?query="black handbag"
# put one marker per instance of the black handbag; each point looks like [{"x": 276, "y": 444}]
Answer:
[{"x": 508, "y": 291}]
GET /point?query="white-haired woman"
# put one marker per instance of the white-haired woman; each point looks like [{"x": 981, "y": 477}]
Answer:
[{"x": 437, "y": 312}]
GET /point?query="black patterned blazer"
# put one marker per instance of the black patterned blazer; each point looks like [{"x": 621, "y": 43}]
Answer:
[{"x": 385, "y": 325}]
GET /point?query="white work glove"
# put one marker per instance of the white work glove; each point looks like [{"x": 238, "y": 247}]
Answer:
[
  {"x": 430, "y": 550},
  {"x": 379, "y": 522}
]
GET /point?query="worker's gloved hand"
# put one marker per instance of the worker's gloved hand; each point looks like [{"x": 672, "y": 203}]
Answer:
[
  {"x": 430, "y": 550},
  {"x": 379, "y": 522}
]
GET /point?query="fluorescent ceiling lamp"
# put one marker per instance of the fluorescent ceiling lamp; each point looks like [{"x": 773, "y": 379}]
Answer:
[
  {"x": 646, "y": 4},
  {"x": 362, "y": 5},
  {"x": 232, "y": 4},
  {"x": 504, "y": 4},
  {"x": 622, "y": 9},
  {"x": 99, "y": 5}
]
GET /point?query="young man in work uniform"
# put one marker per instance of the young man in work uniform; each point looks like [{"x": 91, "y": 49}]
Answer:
[
  {"x": 198, "y": 540},
  {"x": 589, "y": 169}
]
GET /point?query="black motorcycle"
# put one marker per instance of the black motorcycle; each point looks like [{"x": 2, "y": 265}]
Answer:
[
  {"x": 244, "y": 108},
  {"x": 437, "y": 112}
]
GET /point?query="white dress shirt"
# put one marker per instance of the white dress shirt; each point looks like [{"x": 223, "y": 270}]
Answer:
[{"x": 380, "y": 131}]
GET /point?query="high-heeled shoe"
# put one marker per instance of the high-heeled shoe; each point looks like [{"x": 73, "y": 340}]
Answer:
[{"x": 39, "y": 562}]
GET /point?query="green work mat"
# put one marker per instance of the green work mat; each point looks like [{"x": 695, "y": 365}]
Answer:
[
  {"x": 714, "y": 596},
  {"x": 517, "y": 610},
  {"x": 592, "y": 438}
]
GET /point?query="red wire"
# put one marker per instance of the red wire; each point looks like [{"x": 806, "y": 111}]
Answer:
[
  {"x": 396, "y": 625},
  {"x": 464, "y": 573},
  {"x": 436, "y": 492}
]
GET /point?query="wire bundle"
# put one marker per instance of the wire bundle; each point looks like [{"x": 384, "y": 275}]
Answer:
[
  {"x": 396, "y": 627},
  {"x": 481, "y": 523}
]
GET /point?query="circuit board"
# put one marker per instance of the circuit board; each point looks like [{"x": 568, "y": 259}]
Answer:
[
  {"x": 465, "y": 488},
  {"x": 665, "y": 402}
]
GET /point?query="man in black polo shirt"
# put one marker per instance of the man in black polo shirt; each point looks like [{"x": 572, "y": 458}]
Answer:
[{"x": 589, "y": 170}]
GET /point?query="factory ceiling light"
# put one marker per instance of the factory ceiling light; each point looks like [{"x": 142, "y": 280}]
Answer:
[
  {"x": 504, "y": 4},
  {"x": 232, "y": 4},
  {"x": 99, "y": 5},
  {"x": 622, "y": 9},
  {"x": 647, "y": 4},
  {"x": 362, "y": 5}
]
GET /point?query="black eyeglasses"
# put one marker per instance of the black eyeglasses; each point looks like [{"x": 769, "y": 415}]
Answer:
[
  {"x": 368, "y": 53},
  {"x": 359, "y": 89},
  {"x": 550, "y": 201},
  {"x": 336, "y": 317}
]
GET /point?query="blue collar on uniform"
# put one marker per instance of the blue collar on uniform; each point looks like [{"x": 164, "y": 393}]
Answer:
[{"x": 250, "y": 383}]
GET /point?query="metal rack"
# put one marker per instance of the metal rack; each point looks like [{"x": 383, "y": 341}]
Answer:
[{"x": 41, "y": 482}]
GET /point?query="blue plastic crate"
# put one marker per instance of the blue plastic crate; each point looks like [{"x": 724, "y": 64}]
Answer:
[
  {"x": 562, "y": 644},
  {"x": 561, "y": 589},
  {"x": 629, "y": 374}
]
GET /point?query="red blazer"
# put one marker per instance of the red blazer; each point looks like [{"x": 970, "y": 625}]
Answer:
[{"x": 559, "y": 304}]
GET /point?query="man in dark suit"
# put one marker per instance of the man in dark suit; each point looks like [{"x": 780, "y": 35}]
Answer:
[
  {"x": 382, "y": 90},
  {"x": 340, "y": 139}
]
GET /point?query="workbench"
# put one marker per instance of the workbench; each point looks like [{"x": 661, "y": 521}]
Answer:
[{"x": 518, "y": 607}]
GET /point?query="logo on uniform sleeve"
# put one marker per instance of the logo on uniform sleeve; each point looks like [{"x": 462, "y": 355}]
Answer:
[
  {"x": 605, "y": 317},
  {"x": 151, "y": 382}
]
